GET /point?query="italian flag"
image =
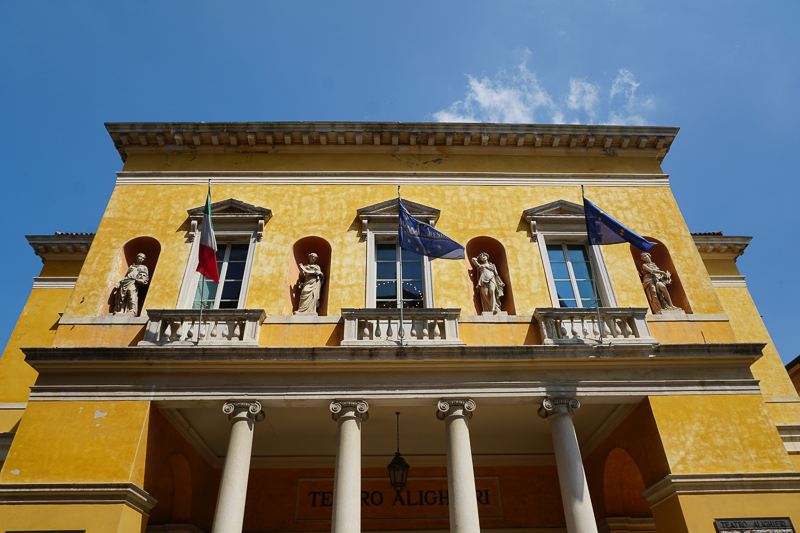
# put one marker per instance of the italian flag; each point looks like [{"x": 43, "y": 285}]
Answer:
[{"x": 207, "y": 256}]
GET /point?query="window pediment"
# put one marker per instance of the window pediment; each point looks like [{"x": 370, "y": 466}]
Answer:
[
  {"x": 387, "y": 212},
  {"x": 560, "y": 217},
  {"x": 232, "y": 215}
]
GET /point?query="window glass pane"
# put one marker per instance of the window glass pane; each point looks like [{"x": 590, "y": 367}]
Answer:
[
  {"x": 386, "y": 304},
  {"x": 228, "y": 304},
  {"x": 385, "y": 252},
  {"x": 221, "y": 248},
  {"x": 586, "y": 290},
  {"x": 588, "y": 303},
  {"x": 238, "y": 252},
  {"x": 387, "y": 270},
  {"x": 559, "y": 270},
  {"x": 412, "y": 290},
  {"x": 577, "y": 252},
  {"x": 564, "y": 290},
  {"x": 231, "y": 289},
  {"x": 412, "y": 270},
  {"x": 567, "y": 303},
  {"x": 386, "y": 289},
  {"x": 581, "y": 270},
  {"x": 208, "y": 292},
  {"x": 412, "y": 304},
  {"x": 554, "y": 252},
  {"x": 235, "y": 271}
]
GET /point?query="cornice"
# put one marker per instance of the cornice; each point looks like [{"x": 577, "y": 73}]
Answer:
[
  {"x": 49, "y": 493},
  {"x": 719, "y": 244},
  {"x": 686, "y": 484},
  {"x": 61, "y": 246},
  {"x": 331, "y": 137}
]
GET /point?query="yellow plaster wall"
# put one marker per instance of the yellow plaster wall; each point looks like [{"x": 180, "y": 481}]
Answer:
[
  {"x": 719, "y": 434},
  {"x": 724, "y": 266},
  {"x": 9, "y": 419},
  {"x": 35, "y": 328},
  {"x": 300, "y": 335},
  {"x": 61, "y": 268},
  {"x": 692, "y": 332},
  {"x": 79, "y": 442},
  {"x": 499, "y": 334},
  {"x": 699, "y": 511},
  {"x": 75, "y": 335},
  {"x": 95, "y": 518}
]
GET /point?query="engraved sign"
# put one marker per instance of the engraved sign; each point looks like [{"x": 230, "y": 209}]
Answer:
[{"x": 754, "y": 525}]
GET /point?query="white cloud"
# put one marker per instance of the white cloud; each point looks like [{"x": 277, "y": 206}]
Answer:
[{"x": 519, "y": 97}]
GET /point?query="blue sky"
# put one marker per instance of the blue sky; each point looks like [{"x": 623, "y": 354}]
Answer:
[{"x": 726, "y": 73}]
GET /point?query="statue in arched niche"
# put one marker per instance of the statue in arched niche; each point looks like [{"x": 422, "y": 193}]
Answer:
[
  {"x": 490, "y": 285},
  {"x": 655, "y": 281},
  {"x": 127, "y": 289},
  {"x": 311, "y": 278}
]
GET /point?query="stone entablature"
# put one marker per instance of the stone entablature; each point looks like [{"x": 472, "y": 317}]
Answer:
[
  {"x": 65, "y": 246},
  {"x": 432, "y": 326},
  {"x": 221, "y": 137},
  {"x": 619, "y": 325},
  {"x": 720, "y": 244},
  {"x": 227, "y": 327}
]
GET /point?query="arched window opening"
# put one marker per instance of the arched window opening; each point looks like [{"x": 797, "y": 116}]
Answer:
[
  {"x": 497, "y": 256},
  {"x": 294, "y": 286},
  {"x": 128, "y": 295},
  {"x": 659, "y": 254}
]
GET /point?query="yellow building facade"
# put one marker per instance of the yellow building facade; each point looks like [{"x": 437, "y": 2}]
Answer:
[{"x": 596, "y": 395}]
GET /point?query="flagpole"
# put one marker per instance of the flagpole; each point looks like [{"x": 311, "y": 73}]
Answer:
[
  {"x": 400, "y": 251},
  {"x": 594, "y": 282},
  {"x": 202, "y": 288}
]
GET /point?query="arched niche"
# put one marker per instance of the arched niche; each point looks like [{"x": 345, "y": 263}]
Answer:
[
  {"x": 661, "y": 257},
  {"x": 497, "y": 255},
  {"x": 151, "y": 249},
  {"x": 181, "y": 489},
  {"x": 299, "y": 254},
  {"x": 623, "y": 486}
]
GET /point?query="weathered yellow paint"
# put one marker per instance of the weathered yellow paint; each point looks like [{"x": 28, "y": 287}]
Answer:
[
  {"x": 502, "y": 334},
  {"x": 98, "y": 335},
  {"x": 61, "y": 268},
  {"x": 36, "y": 327},
  {"x": 721, "y": 267},
  {"x": 692, "y": 332},
  {"x": 300, "y": 335},
  {"x": 9, "y": 419},
  {"x": 785, "y": 412},
  {"x": 719, "y": 434},
  {"x": 78, "y": 442},
  {"x": 669, "y": 518},
  {"x": 701, "y": 510},
  {"x": 97, "y": 518}
]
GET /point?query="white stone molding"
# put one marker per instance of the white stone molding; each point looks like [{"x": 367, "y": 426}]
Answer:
[
  {"x": 381, "y": 327},
  {"x": 739, "y": 483},
  {"x": 612, "y": 524},
  {"x": 54, "y": 282},
  {"x": 61, "y": 246},
  {"x": 790, "y": 434},
  {"x": 78, "y": 493},
  {"x": 348, "y": 414},
  {"x": 107, "y": 320},
  {"x": 13, "y": 405},
  {"x": 220, "y": 327},
  {"x": 463, "y": 501},
  {"x": 614, "y": 326},
  {"x": 728, "y": 281},
  {"x": 694, "y": 317},
  {"x": 719, "y": 244},
  {"x": 229, "y": 513},
  {"x": 578, "y": 510},
  {"x": 350, "y": 178}
]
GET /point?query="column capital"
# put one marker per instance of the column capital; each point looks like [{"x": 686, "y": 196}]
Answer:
[
  {"x": 462, "y": 407},
  {"x": 349, "y": 409},
  {"x": 238, "y": 409},
  {"x": 558, "y": 406}
]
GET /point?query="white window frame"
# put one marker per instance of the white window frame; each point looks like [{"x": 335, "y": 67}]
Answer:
[
  {"x": 380, "y": 233},
  {"x": 564, "y": 222}
]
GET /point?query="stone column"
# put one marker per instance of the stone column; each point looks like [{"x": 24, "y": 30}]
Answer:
[
  {"x": 574, "y": 489},
  {"x": 347, "y": 477},
  {"x": 229, "y": 515},
  {"x": 462, "y": 498}
]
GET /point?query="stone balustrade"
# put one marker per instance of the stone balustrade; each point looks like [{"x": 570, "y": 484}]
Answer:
[
  {"x": 220, "y": 327},
  {"x": 619, "y": 325},
  {"x": 380, "y": 327}
]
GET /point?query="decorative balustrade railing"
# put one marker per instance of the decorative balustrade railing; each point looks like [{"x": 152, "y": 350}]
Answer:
[
  {"x": 433, "y": 326},
  {"x": 220, "y": 327},
  {"x": 619, "y": 325}
]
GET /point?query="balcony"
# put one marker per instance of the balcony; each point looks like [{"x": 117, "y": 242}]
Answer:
[
  {"x": 421, "y": 327},
  {"x": 570, "y": 326},
  {"x": 220, "y": 327}
]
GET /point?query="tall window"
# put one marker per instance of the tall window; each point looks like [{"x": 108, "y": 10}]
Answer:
[
  {"x": 231, "y": 263},
  {"x": 572, "y": 275},
  {"x": 390, "y": 261}
]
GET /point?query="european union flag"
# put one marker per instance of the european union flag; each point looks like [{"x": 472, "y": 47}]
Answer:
[
  {"x": 603, "y": 229},
  {"x": 424, "y": 240}
]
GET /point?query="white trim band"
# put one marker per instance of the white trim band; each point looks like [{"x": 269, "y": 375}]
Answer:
[
  {"x": 77, "y": 493},
  {"x": 728, "y": 281},
  {"x": 693, "y": 484},
  {"x": 54, "y": 282}
]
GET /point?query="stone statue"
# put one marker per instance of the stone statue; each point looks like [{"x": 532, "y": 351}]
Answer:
[
  {"x": 490, "y": 285},
  {"x": 655, "y": 281},
  {"x": 127, "y": 297},
  {"x": 311, "y": 278}
]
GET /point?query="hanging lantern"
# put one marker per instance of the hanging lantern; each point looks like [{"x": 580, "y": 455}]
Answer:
[{"x": 398, "y": 468}]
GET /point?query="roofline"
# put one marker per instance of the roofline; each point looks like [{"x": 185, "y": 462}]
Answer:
[
  {"x": 227, "y": 137},
  {"x": 721, "y": 244}
]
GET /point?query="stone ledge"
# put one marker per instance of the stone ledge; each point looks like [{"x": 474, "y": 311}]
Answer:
[
  {"x": 122, "y": 319},
  {"x": 722, "y": 317},
  {"x": 47, "y": 493},
  {"x": 303, "y": 319},
  {"x": 685, "y": 484}
]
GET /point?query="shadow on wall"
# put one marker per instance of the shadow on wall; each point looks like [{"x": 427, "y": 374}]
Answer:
[
  {"x": 497, "y": 255},
  {"x": 148, "y": 246},
  {"x": 299, "y": 254},
  {"x": 661, "y": 257}
]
